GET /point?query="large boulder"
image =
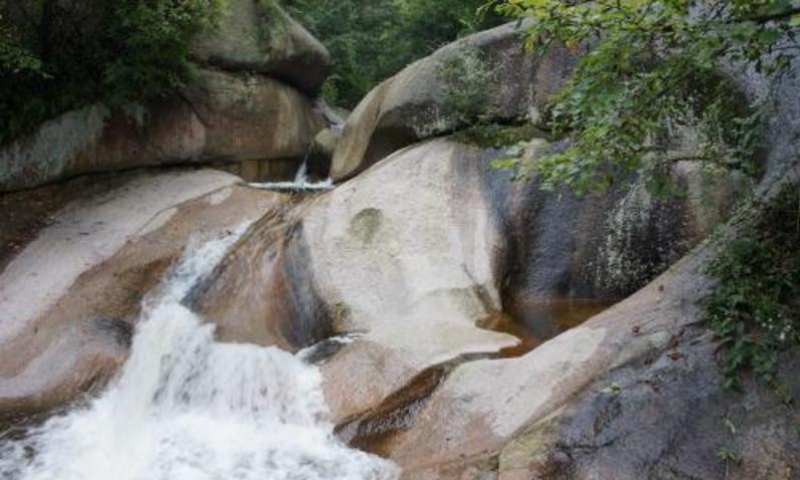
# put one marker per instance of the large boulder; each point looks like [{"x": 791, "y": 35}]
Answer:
[
  {"x": 424, "y": 99},
  {"x": 250, "y": 106},
  {"x": 634, "y": 393},
  {"x": 252, "y": 117},
  {"x": 259, "y": 36},
  {"x": 415, "y": 253},
  {"x": 222, "y": 117},
  {"x": 69, "y": 296},
  {"x": 252, "y": 36}
]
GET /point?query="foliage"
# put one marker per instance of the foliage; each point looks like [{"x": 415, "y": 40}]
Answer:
[
  {"x": 649, "y": 72},
  {"x": 65, "y": 54},
  {"x": 14, "y": 57},
  {"x": 370, "y": 40},
  {"x": 754, "y": 306},
  {"x": 495, "y": 135},
  {"x": 152, "y": 41},
  {"x": 727, "y": 454},
  {"x": 463, "y": 78}
]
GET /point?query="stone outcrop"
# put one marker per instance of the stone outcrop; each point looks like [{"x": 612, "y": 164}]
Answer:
[
  {"x": 414, "y": 253},
  {"x": 221, "y": 118},
  {"x": 407, "y": 262},
  {"x": 252, "y": 117},
  {"x": 259, "y": 36},
  {"x": 414, "y": 104},
  {"x": 69, "y": 297},
  {"x": 407, "y": 259},
  {"x": 633, "y": 393},
  {"x": 630, "y": 394},
  {"x": 252, "y": 102}
]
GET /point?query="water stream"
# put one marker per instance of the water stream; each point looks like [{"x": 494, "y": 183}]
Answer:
[
  {"x": 300, "y": 183},
  {"x": 186, "y": 407}
]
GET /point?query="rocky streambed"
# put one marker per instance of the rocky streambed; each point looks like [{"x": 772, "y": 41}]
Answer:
[
  {"x": 426, "y": 317},
  {"x": 460, "y": 296}
]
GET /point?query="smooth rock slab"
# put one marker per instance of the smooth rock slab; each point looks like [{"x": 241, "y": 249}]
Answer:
[
  {"x": 69, "y": 298},
  {"x": 430, "y": 241}
]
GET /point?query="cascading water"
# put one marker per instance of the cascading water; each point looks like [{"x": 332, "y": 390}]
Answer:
[
  {"x": 301, "y": 177},
  {"x": 301, "y": 181},
  {"x": 188, "y": 408}
]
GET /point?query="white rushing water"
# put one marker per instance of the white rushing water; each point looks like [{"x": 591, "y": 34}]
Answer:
[
  {"x": 301, "y": 182},
  {"x": 188, "y": 408}
]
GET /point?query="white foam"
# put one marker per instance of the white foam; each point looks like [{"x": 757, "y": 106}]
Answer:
[
  {"x": 300, "y": 183},
  {"x": 188, "y": 408},
  {"x": 322, "y": 185}
]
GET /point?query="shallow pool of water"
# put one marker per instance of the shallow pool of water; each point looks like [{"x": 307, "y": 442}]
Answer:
[{"x": 536, "y": 321}]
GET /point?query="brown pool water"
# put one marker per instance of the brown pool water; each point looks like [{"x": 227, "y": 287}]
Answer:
[{"x": 534, "y": 321}]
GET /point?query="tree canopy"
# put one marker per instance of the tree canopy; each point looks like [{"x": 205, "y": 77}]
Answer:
[
  {"x": 649, "y": 70},
  {"x": 59, "y": 55},
  {"x": 370, "y": 40}
]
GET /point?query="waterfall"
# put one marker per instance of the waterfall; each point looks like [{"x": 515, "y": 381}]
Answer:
[
  {"x": 301, "y": 181},
  {"x": 188, "y": 408},
  {"x": 301, "y": 177}
]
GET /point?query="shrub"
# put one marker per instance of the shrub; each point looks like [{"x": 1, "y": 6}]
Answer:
[
  {"x": 60, "y": 55},
  {"x": 371, "y": 40},
  {"x": 754, "y": 306},
  {"x": 464, "y": 78}
]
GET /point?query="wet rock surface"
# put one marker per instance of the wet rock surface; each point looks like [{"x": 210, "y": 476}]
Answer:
[
  {"x": 415, "y": 255},
  {"x": 412, "y": 260},
  {"x": 68, "y": 297},
  {"x": 264, "y": 292}
]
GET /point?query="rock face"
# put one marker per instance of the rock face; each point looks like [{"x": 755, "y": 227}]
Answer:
[
  {"x": 409, "y": 258},
  {"x": 417, "y": 103},
  {"x": 628, "y": 395},
  {"x": 252, "y": 117},
  {"x": 259, "y": 36},
  {"x": 252, "y": 104},
  {"x": 69, "y": 297},
  {"x": 264, "y": 292},
  {"x": 411, "y": 255},
  {"x": 223, "y": 117}
]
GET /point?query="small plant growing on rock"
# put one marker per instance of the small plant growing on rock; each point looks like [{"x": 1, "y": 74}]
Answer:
[
  {"x": 494, "y": 135},
  {"x": 729, "y": 456},
  {"x": 464, "y": 78},
  {"x": 754, "y": 306}
]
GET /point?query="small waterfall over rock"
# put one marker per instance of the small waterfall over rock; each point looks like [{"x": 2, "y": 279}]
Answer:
[
  {"x": 301, "y": 182},
  {"x": 188, "y": 408}
]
